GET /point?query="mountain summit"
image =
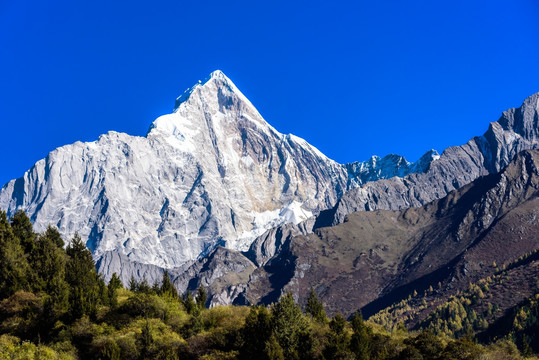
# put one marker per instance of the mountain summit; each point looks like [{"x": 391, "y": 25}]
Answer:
[{"x": 212, "y": 172}]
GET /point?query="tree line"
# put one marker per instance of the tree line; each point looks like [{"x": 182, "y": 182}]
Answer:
[{"x": 54, "y": 305}]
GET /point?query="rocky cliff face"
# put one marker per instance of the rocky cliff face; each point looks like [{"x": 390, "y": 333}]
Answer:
[
  {"x": 435, "y": 178},
  {"x": 376, "y": 258},
  {"x": 516, "y": 130},
  {"x": 215, "y": 173},
  {"x": 212, "y": 172}
]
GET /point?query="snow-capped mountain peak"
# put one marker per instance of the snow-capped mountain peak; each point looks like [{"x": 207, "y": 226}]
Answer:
[{"x": 212, "y": 172}]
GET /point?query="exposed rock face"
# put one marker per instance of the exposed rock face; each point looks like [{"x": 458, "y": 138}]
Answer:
[
  {"x": 213, "y": 172},
  {"x": 389, "y": 166},
  {"x": 223, "y": 274},
  {"x": 272, "y": 241},
  {"x": 376, "y": 258},
  {"x": 116, "y": 262},
  {"x": 516, "y": 130}
]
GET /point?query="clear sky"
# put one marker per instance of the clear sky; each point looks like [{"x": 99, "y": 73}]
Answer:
[{"x": 354, "y": 78}]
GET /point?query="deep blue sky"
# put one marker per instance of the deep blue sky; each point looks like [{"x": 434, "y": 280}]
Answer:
[{"x": 353, "y": 78}]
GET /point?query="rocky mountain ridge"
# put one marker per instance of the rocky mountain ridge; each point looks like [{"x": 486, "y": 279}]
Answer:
[
  {"x": 214, "y": 178},
  {"x": 212, "y": 173},
  {"x": 377, "y": 258},
  {"x": 456, "y": 167},
  {"x": 516, "y": 130}
]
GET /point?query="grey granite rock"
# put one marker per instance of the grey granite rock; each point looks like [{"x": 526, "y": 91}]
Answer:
[{"x": 516, "y": 130}]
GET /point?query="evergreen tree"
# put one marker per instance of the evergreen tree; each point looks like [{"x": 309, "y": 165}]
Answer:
[
  {"x": 167, "y": 287},
  {"x": 338, "y": 342},
  {"x": 315, "y": 308},
  {"x": 54, "y": 235},
  {"x": 273, "y": 350},
  {"x": 133, "y": 284},
  {"x": 82, "y": 278},
  {"x": 201, "y": 297},
  {"x": 256, "y": 333},
  {"x": 114, "y": 284},
  {"x": 427, "y": 343},
  {"x": 51, "y": 277},
  {"x": 189, "y": 303},
  {"x": 143, "y": 287},
  {"x": 23, "y": 230},
  {"x": 156, "y": 288},
  {"x": 14, "y": 268},
  {"x": 146, "y": 338},
  {"x": 289, "y": 326},
  {"x": 361, "y": 337}
]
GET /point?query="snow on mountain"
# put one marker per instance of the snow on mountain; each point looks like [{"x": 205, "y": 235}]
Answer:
[
  {"x": 213, "y": 172},
  {"x": 389, "y": 166}
]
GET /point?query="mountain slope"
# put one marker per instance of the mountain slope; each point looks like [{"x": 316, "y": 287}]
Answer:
[
  {"x": 213, "y": 172},
  {"x": 376, "y": 258},
  {"x": 516, "y": 130}
]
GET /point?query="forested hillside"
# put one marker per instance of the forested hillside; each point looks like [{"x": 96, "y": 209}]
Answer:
[{"x": 54, "y": 305}]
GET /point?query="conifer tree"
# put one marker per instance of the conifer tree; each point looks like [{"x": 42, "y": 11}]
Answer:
[
  {"x": 146, "y": 338},
  {"x": 54, "y": 235},
  {"x": 82, "y": 278},
  {"x": 289, "y": 326},
  {"x": 14, "y": 268},
  {"x": 51, "y": 277},
  {"x": 132, "y": 284},
  {"x": 361, "y": 338},
  {"x": 23, "y": 230},
  {"x": 144, "y": 287},
  {"x": 315, "y": 308},
  {"x": 273, "y": 350},
  {"x": 156, "y": 288},
  {"x": 201, "y": 297},
  {"x": 338, "y": 340},
  {"x": 189, "y": 303},
  {"x": 256, "y": 333},
  {"x": 114, "y": 284},
  {"x": 167, "y": 287}
]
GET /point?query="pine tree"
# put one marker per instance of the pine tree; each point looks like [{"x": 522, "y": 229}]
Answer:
[
  {"x": 14, "y": 268},
  {"x": 256, "y": 333},
  {"x": 289, "y": 326},
  {"x": 146, "y": 338},
  {"x": 54, "y": 235},
  {"x": 189, "y": 303},
  {"x": 273, "y": 350},
  {"x": 133, "y": 284},
  {"x": 51, "y": 277},
  {"x": 427, "y": 343},
  {"x": 114, "y": 284},
  {"x": 338, "y": 340},
  {"x": 156, "y": 288},
  {"x": 22, "y": 229},
  {"x": 315, "y": 308},
  {"x": 361, "y": 338},
  {"x": 82, "y": 278},
  {"x": 144, "y": 287},
  {"x": 167, "y": 287},
  {"x": 201, "y": 297}
]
